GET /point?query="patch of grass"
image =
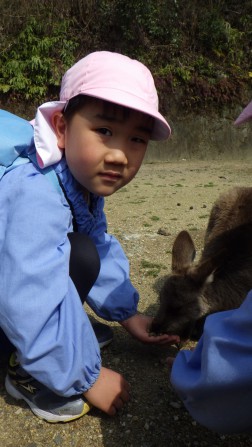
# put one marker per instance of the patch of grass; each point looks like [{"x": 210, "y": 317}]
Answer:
[
  {"x": 203, "y": 216},
  {"x": 209, "y": 185},
  {"x": 145, "y": 224},
  {"x": 155, "y": 218},
  {"x": 136, "y": 202},
  {"x": 148, "y": 264},
  {"x": 206, "y": 185},
  {"x": 151, "y": 268}
]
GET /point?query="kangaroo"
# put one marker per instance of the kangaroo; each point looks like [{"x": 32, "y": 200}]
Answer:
[{"x": 223, "y": 275}]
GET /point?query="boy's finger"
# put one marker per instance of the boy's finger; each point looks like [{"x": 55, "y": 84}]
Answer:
[{"x": 164, "y": 339}]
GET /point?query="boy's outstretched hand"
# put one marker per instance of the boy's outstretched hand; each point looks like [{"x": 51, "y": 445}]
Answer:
[
  {"x": 109, "y": 393},
  {"x": 139, "y": 326}
]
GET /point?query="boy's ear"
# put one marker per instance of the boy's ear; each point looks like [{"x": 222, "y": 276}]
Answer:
[{"x": 59, "y": 125}]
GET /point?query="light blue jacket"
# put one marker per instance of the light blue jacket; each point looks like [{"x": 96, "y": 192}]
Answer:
[
  {"x": 215, "y": 380},
  {"x": 40, "y": 309}
]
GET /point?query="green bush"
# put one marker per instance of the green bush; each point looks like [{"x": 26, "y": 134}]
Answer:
[
  {"x": 36, "y": 60},
  {"x": 199, "y": 51}
]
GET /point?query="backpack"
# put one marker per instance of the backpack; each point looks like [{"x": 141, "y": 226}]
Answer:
[{"x": 17, "y": 146}]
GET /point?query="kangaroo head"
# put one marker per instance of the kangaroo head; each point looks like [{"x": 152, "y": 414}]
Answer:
[{"x": 180, "y": 303}]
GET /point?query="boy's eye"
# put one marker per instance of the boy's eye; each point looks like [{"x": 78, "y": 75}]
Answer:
[
  {"x": 139, "y": 140},
  {"x": 104, "y": 131}
]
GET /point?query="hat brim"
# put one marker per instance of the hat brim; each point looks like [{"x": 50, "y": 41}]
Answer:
[{"x": 245, "y": 115}]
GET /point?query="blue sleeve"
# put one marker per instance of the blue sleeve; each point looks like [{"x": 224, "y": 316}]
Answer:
[
  {"x": 40, "y": 310},
  {"x": 215, "y": 380},
  {"x": 113, "y": 297}
]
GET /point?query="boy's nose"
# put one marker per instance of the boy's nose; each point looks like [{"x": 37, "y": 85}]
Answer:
[{"x": 117, "y": 156}]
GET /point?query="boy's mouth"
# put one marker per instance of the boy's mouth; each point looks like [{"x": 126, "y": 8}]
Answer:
[{"x": 110, "y": 176}]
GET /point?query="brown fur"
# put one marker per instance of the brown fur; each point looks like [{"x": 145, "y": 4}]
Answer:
[
  {"x": 233, "y": 208},
  {"x": 221, "y": 278}
]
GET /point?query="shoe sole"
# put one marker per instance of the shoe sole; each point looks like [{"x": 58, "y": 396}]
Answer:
[{"x": 49, "y": 417}]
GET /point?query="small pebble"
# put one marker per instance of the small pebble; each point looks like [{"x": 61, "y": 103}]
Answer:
[
  {"x": 58, "y": 440},
  {"x": 163, "y": 232}
]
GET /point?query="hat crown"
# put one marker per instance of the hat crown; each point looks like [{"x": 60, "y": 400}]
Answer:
[{"x": 103, "y": 71}]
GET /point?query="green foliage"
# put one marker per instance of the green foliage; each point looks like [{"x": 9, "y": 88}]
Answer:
[
  {"x": 136, "y": 27},
  {"x": 35, "y": 61},
  {"x": 198, "y": 50},
  {"x": 218, "y": 36}
]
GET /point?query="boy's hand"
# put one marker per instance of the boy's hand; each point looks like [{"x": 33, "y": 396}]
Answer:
[
  {"x": 109, "y": 393},
  {"x": 139, "y": 326}
]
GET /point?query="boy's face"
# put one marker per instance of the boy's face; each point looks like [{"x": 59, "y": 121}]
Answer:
[{"x": 104, "y": 145}]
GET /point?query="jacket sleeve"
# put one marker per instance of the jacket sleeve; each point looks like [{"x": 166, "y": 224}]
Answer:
[
  {"x": 214, "y": 381},
  {"x": 113, "y": 297},
  {"x": 40, "y": 310}
]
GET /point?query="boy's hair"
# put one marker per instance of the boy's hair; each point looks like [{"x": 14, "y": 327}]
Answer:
[
  {"x": 73, "y": 106},
  {"x": 109, "y": 109},
  {"x": 78, "y": 102}
]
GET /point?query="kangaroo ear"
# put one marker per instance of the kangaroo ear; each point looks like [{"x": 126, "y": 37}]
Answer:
[{"x": 183, "y": 252}]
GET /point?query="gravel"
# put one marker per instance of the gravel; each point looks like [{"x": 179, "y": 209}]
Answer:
[{"x": 145, "y": 216}]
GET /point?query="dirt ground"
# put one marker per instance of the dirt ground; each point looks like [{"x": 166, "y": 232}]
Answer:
[{"x": 171, "y": 197}]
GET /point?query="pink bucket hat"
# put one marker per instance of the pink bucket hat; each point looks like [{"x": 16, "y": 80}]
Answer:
[
  {"x": 108, "y": 76},
  {"x": 245, "y": 115}
]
